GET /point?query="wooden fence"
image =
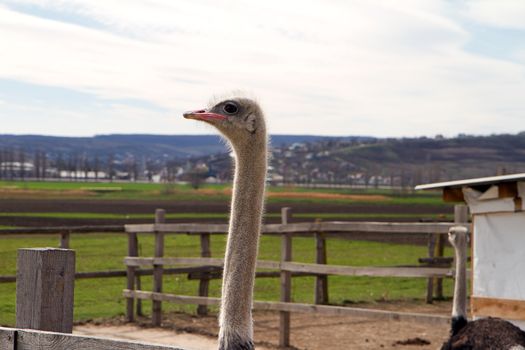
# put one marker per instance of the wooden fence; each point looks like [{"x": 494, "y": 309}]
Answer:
[
  {"x": 28, "y": 339},
  {"x": 44, "y": 307},
  {"x": 286, "y": 268}
]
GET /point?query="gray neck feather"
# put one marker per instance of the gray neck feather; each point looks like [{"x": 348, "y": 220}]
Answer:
[{"x": 236, "y": 329}]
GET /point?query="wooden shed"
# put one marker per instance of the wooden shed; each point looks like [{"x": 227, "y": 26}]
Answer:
[{"x": 497, "y": 206}]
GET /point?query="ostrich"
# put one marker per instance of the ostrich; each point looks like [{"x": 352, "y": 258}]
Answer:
[
  {"x": 241, "y": 122},
  {"x": 486, "y": 333}
]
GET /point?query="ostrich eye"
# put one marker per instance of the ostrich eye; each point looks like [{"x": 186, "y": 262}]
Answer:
[{"x": 230, "y": 108}]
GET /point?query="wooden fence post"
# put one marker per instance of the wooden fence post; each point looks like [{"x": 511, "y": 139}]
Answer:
[
  {"x": 460, "y": 213},
  {"x": 156, "y": 316},
  {"x": 138, "y": 281},
  {"x": 321, "y": 281},
  {"x": 204, "y": 282},
  {"x": 64, "y": 239},
  {"x": 430, "y": 280},
  {"x": 130, "y": 272},
  {"x": 286, "y": 281},
  {"x": 440, "y": 251},
  {"x": 45, "y": 282}
]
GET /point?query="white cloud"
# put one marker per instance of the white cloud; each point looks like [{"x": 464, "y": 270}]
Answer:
[
  {"x": 501, "y": 13},
  {"x": 336, "y": 67}
]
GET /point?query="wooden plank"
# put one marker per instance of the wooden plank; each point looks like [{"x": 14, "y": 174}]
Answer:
[
  {"x": 178, "y": 228},
  {"x": 64, "y": 239},
  {"x": 31, "y": 340},
  {"x": 430, "y": 281},
  {"x": 508, "y": 190},
  {"x": 177, "y": 299},
  {"x": 504, "y": 308},
  {"x": 7, "y": 338},
  {"x": 156, "y": 307},
  {"x": 304, "y": 267},
  {"x": 142, "y": 272},
  {"x": 130, "y": 272},
  {"x": 58, "y": 229},
  {"x": 321, "y": 281},
  {"x": 286, "y": 281},
  {"x": 460, "y": 214},
  {"x": 302, "y": 308},
  {"x": 368, "y": 271},
  {"x": 45, "y": 288},
  {"x": 204, "y": 282},
  {"x": 381, "y": 227},
  {"x": 326, "y": 227},
  {"x": 440, "y": 251},
  {"x": 453, "y": 194},
  {"x": 135, "y": 261}
]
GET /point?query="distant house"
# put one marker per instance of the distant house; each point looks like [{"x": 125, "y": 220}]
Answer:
[{"x": 17, "y": 169}]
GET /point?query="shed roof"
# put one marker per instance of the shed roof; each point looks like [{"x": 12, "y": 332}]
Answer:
[{"x": 491, "y": 180}]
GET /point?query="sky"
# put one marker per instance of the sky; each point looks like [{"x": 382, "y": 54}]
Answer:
[{"x": 328, "y": 67}]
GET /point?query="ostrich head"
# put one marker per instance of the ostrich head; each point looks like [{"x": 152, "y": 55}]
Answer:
[
  {"x": 457, "y": 236},
  {"x": 239, "y": 119}
]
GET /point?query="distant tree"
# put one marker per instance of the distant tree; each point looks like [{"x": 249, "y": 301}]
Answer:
[
  {"x": 36, "y": 164},
  {"x": 111, "y": 166},
  {"x": 22, "y": 160},
  {"x": 85, "y": 166},
  {"x": 43, "y": 160},
  {"x": 96, "y": 167},
  {"x": 11, "y": 160}
]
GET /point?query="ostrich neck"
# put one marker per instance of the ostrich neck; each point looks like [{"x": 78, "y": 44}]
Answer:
[
  {"x": 242, "y": 246},
  {"x": 460, "y": 287}
]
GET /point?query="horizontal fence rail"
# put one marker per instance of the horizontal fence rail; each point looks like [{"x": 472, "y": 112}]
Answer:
[
  {"x": 434, "y": 268},
  {"x": 304, "y": 227},
  {"x": 304, "y": 267},
  {"x": 295, "y": 307},
  {"x": 61, "y": 229},
  {"x": 28, "y": 339}
]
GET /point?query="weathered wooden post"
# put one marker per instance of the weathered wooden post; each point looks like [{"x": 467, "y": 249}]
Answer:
[
  {"x": 138, "y": 280},
  {"x": 45, "y": 282},
  {"x": 64, "y": 239},
  {"x": 430, "y": 281},
  {"x": 156, "y": 316},
  {"x": 440, "y": 251},
  {"x": 460, "y": 214},
  {"x": 132, "y": 251},
  {"x": 321, "y": 281},
  {"x": 286, "y": 280},
  {"x": 204, "y": 282}
]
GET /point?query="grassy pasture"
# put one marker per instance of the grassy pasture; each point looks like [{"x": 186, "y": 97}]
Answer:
[
  {"x": 213, "y": 192},
  {"x": 195, "y": 216},
  {"x": 101, "y": 298}
]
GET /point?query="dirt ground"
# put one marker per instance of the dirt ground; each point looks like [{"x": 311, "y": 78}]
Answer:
[
  {"x": 71, "y": 205},
  {"x": 308, "y": 332}
]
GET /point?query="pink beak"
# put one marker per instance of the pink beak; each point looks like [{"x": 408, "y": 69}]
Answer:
[{"x": 203, "y": 115}]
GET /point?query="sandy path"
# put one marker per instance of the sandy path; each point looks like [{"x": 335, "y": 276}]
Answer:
[
  {"x": 186, "y": 341},
  {"x": 308, "y": 332}
]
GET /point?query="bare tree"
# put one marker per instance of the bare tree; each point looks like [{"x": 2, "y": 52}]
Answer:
[{"x": 22, "y": 160}]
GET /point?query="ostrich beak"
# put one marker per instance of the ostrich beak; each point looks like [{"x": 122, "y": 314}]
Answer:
[{"x": 202, "y": 114}]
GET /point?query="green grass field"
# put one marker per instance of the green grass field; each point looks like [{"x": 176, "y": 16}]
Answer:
[
  {"x": 101, "y": 298},
  {"x": 184, "y": 192},
  {"x": 224, "y": 216}
]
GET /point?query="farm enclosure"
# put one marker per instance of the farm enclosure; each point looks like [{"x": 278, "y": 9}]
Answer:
[{"x": 105, "y": 251}]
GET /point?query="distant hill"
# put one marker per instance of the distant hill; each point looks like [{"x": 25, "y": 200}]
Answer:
[
  {"x": 404, "y": 161},
  {"x": 295, "y": 158},
  {"x": 137, "y": 145}
]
